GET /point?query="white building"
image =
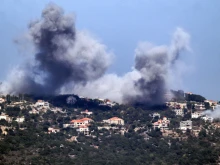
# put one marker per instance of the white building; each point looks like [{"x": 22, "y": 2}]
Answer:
[
  {"x": 200, "y": 106},
  {"x": 87, "y": 112},
  {"x": 83, "y": 129},
  {"x": 53, "y": 130},
  {"x": 20, "y": 119},
  {"x": 79, "y": 122},
  {"x": 179, "y": 112},
  {"x": 161, "y": 124},
  {"x": 34, "y": 111},
  {"x": 196, "y": 115},
  {"x": 5, "y": 117},
  {"x": 115, "y": 120},
  {"x": 41, "y": 103},
  {"x": 184, "y": 125}
]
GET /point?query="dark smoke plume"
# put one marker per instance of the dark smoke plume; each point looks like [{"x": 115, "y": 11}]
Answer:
[
  {"x": 70, "y": 61},
  {"x": 154, "y": 64},
  {"x": 63, "y": 55}
]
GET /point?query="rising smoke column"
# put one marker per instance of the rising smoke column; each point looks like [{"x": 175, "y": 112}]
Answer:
[
  {"x": 62, "y": 55},
  {"x": 154, "y": 64}
]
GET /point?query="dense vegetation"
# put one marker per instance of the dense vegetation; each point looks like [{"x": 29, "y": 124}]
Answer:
[{"x": 29, "y": 142}]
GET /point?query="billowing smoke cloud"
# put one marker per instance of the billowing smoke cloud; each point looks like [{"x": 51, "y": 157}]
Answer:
[
  {"x": 154, "y": 64},
  {"x": 150, "y": 78},
  {"x": 213, "y": 113},
  {"x": 62, "y": 55},
  {"x": 70, "y": 61}
]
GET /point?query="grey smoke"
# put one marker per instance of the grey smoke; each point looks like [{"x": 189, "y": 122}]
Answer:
[
  {"x": 151, "y": 76},
  {"x": 70, "y": 61},
  {"x": 213, "y": 113},
  {"x": 62, "y": 55}
]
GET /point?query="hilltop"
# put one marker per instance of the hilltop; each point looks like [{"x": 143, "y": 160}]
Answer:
[{"x": 71, "y": 129}]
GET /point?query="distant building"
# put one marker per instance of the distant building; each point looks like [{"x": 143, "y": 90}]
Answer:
[
  {"x": 83, "y": 129},
  {"x": 114, "y": 120},
  {"x": 34, "y": 111},
  {"x": 200, "y": 107},
  {"x": 184, "y": 125},
  {"x": 5, "y": 117},
  {"x": 53, "y": 130},
  {"x": 196, "y": 115},
  {"x": 176, "y": 105},
  {"x": 87, "y": 112},
  {"x": 20, "y": 119},
  {"x": 79, "y": 122},
  {"x": 161, "y": 124},
  {"x": 211, "y": 102},
  {"x": 41, "y": 103},
  {"x": 179, "y": 112}
]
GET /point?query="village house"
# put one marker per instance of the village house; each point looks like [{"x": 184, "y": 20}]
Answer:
[
  {"x": 53, "y": 130},
  {"x": 184, "y": 125},
  {"x": 114, "y": 120},
  {"x": 211, "y": 102},
  {"x": 176, "y": 105},
  {"x": 83, "y": 129},
  {"x": 199, "y": 106},
  {"x": 33, "y": 111},
  {"x": 161, "y": 124},
  {"x": 106, "y": 102},
  {"x": 20, "y": 119},
  {"x": 3, "y": 116},
  {"x": 196, "y": 115},
  {"x": 87, "y": 112},
  {"x": 78, "y": 122},
  {"x": 42, "y": 103},
  {"x": 179, "y": 112}
]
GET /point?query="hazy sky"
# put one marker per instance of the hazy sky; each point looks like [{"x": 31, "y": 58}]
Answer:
[{"x": 121, "y": 24}]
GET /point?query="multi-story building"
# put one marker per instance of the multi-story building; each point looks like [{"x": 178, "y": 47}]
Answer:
[
  {"x": 179, "y": 112},
  {"x": 196, "y": 115},
  {"x": 184, "y": 125},
  {"x": 78, "y": 122},
  {"x": 161, "y": 124},
  {"x": 41, "y": 103},
  {"x": 83, "y": 129}
]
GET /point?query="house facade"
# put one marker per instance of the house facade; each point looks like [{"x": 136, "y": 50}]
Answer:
[
  {"x": 196, "y": 115},
  {"x": 184, "y": 125},
  {"x": 115, "y": 120},
  {"x": 179, "y": 112},
  {"x": 42, "y": 103},
  {"x": 162, "y": 124},
  {"x": 83, "y": 129},
  {"x": 80, "y": 122}
]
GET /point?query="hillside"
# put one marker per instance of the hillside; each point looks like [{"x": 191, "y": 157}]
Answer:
[{"x": 68, "y": 129}]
